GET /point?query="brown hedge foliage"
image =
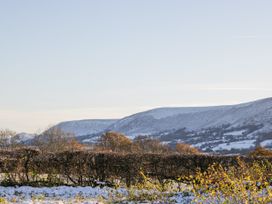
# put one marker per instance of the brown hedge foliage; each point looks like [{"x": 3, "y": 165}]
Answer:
[
  {"x": 117, "y": 142},
  {"x": 144, "y": 144},
  {"x": 261, "y": 151},
  {"x": 114, "y": 142},
  {"x": 183, "y": 148},
  {"x": 32, "y": 167}
]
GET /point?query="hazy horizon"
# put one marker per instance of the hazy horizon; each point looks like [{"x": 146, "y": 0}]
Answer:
[
  {"x": 77, "y": 115},
  {"x": 69, "y": 60}
]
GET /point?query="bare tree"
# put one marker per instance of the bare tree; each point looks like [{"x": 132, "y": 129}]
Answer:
[
  {"x": 55, "y": 140},
  {"x": 146, "y": 144},
  {"x": 8, "y": 138}
]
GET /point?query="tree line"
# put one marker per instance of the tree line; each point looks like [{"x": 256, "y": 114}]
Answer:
[{"x": 56, "y": 140}]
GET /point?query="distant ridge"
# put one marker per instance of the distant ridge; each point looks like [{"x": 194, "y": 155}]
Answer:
[
  {"x": 250, "y": 122},
  {"x": 86, "y": 127}
]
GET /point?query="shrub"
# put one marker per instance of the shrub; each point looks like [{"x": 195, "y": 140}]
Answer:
[
  {"x": 114, "y": 142},
  {"x": 260, "y": 151},
  {"x": 74, "y": 145},
  {"x": 31, "y": 167},
  {"x": 183, "y": 148},
  {"x": 56, "y": 140},
  {"x": 8, "y": 139},
  {"x": 243, "y": 183},
  {"x": 144, "y": 144}
]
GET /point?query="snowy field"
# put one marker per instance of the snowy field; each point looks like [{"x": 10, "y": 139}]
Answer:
[
  {"x": 71, "y": 195},
  {"x": 266, "y": 143},
  {"x": 244, "y": 144},
  {"x": 61, "y": 194}
]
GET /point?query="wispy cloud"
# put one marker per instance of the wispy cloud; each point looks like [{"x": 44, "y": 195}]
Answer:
[
  {"x": 225, "y": 87},
  {"x": 251, "y": 36}
]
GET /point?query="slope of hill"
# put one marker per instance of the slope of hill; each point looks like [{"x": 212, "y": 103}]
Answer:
[
  {"x": 194, "y": 119},
  {"x": 85, "y": 127},
  {"x": 216, "y": 128}
]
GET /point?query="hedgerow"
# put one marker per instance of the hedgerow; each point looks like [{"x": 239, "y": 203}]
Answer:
[{"x": 32, "y": 167}]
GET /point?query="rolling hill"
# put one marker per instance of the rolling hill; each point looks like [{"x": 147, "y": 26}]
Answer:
[{"x": 216, "y": 128}]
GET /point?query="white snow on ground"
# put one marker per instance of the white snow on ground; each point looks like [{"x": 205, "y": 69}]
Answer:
[
  {"x": 89, "y": 140},
  {"x": 66, "y": 194},
  {"x": 86, "y": 195},
  {"x": 204, "y": 143},
  {"x": 245, "y": 144},
  {"x": 166, "y": 142},
  {"x": 179, "y": 141},
  {"x": 25, "y": 136},
  {"x": 235, "y": 133},
  {"x": 266, "y": 143},
  {"x": 62, "y": 194}
]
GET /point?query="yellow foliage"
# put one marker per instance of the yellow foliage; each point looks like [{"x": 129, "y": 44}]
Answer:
[
  {"x": 260, "y": 151},
  {"x": 235, "y": 184},
  {"x": 3, "y": 200}
]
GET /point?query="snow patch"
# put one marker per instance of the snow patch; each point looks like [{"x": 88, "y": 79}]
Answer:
[
  {"x": 235, "y": 133},
  {"x": 68, "y": 194},
  {"x": 266, "y": 143},
  {"x": 245, "y": 144}
]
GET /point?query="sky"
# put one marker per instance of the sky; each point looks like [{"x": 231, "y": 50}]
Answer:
[{"x": 79, "y": 59}]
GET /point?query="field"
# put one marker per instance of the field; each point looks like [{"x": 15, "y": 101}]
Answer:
[
  {"x": 30, "y": 176},
  {"x": 87, "y": 195}
]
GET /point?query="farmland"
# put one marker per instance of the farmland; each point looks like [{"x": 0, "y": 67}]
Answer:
[{"x": 29, "y": 176}]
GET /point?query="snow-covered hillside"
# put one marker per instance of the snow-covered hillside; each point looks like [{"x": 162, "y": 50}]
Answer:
[
  {"x": 25, "y": 136},
  {"x": 209, "y": 128},
  {"x": 195, "y": 119},
  {"x": 85, "y": 127}
]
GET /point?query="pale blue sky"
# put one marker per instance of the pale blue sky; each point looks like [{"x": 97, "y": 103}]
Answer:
[{"x": 65, "y": 60}]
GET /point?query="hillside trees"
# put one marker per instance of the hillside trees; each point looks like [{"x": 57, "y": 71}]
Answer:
[
  {"x": 261, "y": 152},
  {"x": 183, "y": 148},
  {"x": 146, "y": 144},
  {"x": 8, "y": 139},
  {"x": 55, "y": 140},
  {"x": 115, "y": 142}
]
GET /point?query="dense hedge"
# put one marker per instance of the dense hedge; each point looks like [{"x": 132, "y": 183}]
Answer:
[{"x": 31, "y": 167}]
